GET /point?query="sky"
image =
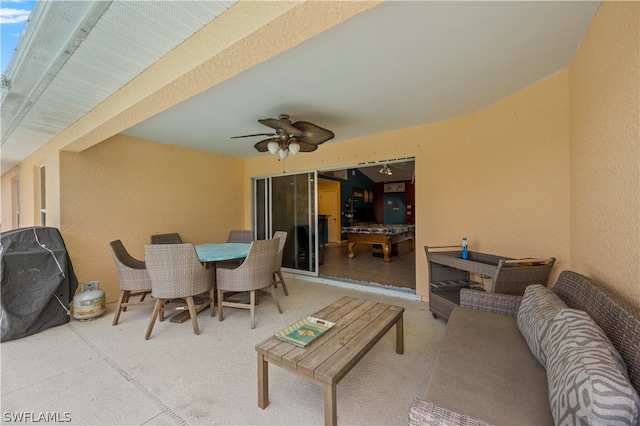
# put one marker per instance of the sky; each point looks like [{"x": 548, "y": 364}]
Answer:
[{"x": 13, "y": 17}]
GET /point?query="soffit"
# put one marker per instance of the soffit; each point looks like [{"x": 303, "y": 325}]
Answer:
[{"x": 74, "y": 55}]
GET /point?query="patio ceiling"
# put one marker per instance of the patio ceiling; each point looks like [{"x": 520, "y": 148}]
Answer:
[{"x": 398, "y": 65}]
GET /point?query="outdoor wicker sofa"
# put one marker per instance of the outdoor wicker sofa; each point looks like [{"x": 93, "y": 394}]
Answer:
[{"x": 529, "y": 360}]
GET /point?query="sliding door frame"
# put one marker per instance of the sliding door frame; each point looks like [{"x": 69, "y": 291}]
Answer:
[{"x": 263, "y": 206}]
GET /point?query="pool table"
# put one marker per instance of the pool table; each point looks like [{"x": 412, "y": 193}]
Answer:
[{"x": 385, "y": 235}]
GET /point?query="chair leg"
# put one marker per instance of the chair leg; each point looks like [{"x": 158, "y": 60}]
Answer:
[
  {"x": 281, "y": 279},
  {"x": 116, "y": 317},
  {"x": 192, "y": 313},
  {"x": 162, "y": 310},
  {"x": 212, "y": 303},
  {"x": 125, "y": 300},
  {"x": 252, "y": 308},
  {"x": 220, "y": 296},
  {"x": 156, "y": 309},
  {"x": 275, "y": 299}
]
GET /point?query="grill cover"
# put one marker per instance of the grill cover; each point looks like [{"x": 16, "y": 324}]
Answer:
[{"x": 38, "y": 281}]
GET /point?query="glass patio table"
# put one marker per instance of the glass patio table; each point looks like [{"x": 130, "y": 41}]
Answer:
[{"x": 218, "y": 252}]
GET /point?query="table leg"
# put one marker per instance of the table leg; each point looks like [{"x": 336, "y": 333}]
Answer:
[
  {"x": 400, "y": 336},
  {"x": 386, "y": 249},
  {"x": 263, "y": 382},
  {"x": 330, "y": 405},
  {"x": 351, "y": 254}
]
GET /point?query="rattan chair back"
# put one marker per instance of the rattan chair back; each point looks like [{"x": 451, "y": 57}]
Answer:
[
  {"x": 278, "y": 278},
  {"x": 173, "y": 238},
  {"x": 176, "y": 271},
  {"x": 132, "y": 273},
  {"x": 255, "y": 272},
  {"x": 281, "y": 236},
  {"x": 240, "y": 236}
]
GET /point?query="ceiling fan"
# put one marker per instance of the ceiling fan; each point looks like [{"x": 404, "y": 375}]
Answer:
[{"x": 300, "y": 136}]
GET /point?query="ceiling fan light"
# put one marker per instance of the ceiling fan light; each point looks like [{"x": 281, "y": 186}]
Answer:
[
  {"x": 385, "y": 170},
  {"x": 273, "y": 147},
  {"x": 294, "y": 148},
  {"x": 283, "y": 153}
]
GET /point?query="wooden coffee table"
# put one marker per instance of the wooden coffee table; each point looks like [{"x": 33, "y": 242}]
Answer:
[{"x": 360, "y": 324}]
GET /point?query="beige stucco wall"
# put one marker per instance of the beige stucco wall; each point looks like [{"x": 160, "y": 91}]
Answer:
[
  {"x": 500, "y": 177},
  {"x": 29, "y": 175},
  {"x": 605, "y": 149},
  {"x": 127, "y": 188},
  {"x": 551, "y": 170},
  {"x": 7, "y": 201}
]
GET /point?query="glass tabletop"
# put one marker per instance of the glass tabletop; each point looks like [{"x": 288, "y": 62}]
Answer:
[{"x": 215, "y": 252}]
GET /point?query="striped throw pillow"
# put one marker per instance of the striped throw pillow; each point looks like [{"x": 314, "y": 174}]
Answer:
[
  {"x": 538, "y": 308},
  {"x": 588, "y": 380}
]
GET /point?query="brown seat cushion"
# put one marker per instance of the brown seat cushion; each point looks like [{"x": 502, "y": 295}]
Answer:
[{"x": 486, "y": 370}]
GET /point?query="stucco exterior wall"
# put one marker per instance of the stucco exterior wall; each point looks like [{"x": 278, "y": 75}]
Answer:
[
  {"x": 128, "y": 189},
  {"x": 605, "y": 149},
  {"x": 8, "y": 200},
  {"x": 553, "y": 170},
  {"x": 500, "y": 177}
]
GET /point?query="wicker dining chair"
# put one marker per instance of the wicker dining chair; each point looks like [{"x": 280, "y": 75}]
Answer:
[
  {"x": 173, "y": 238},
  {"x": 240, "y": 236},
  {"x": 278, "y": 278},
  {"x": 133, "y": 279},
  {"x": 176, "y": 273},
  {"x": 255, "y": 273}
]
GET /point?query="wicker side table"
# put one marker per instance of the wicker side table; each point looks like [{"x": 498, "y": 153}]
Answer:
[{"x": 448, "y": 273}]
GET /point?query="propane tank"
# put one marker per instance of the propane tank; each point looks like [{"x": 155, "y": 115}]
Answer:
[{"x": 89, "y": 303}]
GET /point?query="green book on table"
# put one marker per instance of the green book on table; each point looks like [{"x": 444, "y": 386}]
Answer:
[{"x": 304, "y": 331}]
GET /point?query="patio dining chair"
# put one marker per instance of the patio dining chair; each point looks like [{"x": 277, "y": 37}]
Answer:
[
  {"x": 177, "y": 274},
  {"x": 133, "y": 279},
  {"x": 240, "y": 236},
  {"x": 255, "y": 273},
  {"x": 173, "y": 238},
  {"x": 278, "y": 278}
]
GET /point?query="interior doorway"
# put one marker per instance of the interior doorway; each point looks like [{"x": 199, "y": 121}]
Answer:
[
  {"x": 368, "y": 195},
  {"x": 329, "y": 206}
]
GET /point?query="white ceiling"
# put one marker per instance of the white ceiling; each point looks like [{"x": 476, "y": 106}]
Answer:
[{"x": 398, "y": 65}]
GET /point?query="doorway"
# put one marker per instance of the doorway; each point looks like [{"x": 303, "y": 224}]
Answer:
[
  {"x": 329, "y": 206},
  {"x": 368, "y": 197},
  {"x": 351, "y": 196}
]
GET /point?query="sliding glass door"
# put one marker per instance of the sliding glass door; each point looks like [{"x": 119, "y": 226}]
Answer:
[{"x": 288, "y": 203}]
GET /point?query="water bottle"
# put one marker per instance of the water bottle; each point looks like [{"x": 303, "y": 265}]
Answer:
[{"x": 465, "y": 249}]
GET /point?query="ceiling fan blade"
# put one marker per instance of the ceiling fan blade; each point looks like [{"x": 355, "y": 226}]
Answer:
[
  {"x": 257, "y": 134},
  {"x": 306, "y": 147},
  {"x": 313, "y": 134},
  {"x": 281, "y": 124},
  {"x": 262, "y": 146}
]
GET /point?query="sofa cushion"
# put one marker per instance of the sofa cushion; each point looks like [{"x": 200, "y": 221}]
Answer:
[
  {"x": 588, "y": 380},
  {"x": 538, "y": 308},
  {"x": 485, "y": 370}
]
